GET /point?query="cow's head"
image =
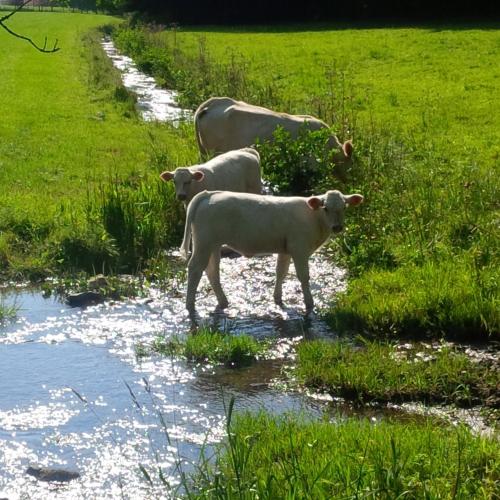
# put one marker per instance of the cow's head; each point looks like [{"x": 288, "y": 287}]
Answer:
[
  {"x": 183, "y": 177},
  {"x": 342, "y": 157},
  {"x": 333, "y": 205}
]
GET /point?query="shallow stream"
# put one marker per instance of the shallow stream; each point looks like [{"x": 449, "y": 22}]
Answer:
[{"x": 153, "y": 102}]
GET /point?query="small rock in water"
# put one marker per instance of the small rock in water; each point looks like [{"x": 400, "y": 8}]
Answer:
[
  {"x": 50, "y": 474},
  {"x": 84, "y": 299}
]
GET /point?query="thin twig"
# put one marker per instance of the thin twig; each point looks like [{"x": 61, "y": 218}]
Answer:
[{"x": 44, "y": 49}]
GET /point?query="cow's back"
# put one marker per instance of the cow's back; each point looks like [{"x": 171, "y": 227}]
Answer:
[
  {"x": 223, "y": 124},
  {"x": 254, "y": 224},
  {"x": 237, "y": 171}
]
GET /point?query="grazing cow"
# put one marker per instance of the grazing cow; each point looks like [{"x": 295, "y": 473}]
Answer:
[
  {"x": 223, "y": 124},
  {"x": 293, "y": 227},
  {"x": 232, "y": 171}
]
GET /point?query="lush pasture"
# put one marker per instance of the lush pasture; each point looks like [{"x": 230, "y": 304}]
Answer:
[
  {"x": 80, "y": 191},
  {"x": 441, "y": 81},
  {"x": 420, "y": 103}
]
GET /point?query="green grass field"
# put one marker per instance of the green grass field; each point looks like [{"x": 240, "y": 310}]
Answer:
[
  {"x": 80, "y": 191},
  {"x": 66, "y": 130},
  {"x": 438, "y": 81}
]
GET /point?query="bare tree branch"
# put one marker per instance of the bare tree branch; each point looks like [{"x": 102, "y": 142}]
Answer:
[{"x": 44, "y": 49}]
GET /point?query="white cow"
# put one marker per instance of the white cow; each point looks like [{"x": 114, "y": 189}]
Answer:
[
  {"x": 293, "y": 227},
  {"x": 223, "y": 124},
  {"x": 233, "y": 171}
]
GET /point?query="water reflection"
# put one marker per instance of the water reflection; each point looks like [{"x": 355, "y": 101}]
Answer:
[{"x": 73, "y": 394}]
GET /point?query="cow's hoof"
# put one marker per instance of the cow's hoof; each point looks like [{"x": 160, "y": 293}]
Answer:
[{"x": 279, "y": 302}]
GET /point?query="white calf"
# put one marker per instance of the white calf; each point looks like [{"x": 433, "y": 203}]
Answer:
[
  {"x": 233, "y": 171},
  {"x": 292, "y": 227}
]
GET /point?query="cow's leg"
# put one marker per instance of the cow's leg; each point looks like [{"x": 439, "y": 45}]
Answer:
[
  {"x": 302, "y": 268},
  {"x": 213, "y": 274},
  {"x": 197, "y": 264},
  {"x": 282, "y": 264}
]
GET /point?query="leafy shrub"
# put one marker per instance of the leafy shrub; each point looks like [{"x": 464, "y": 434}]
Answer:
[{"x": 299, "y": 166}]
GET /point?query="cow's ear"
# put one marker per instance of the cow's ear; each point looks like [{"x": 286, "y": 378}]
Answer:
[
  {"x": 166, "y": 176},
  {"x": 314, "y": 202},
  {"x": 348, "y": 148},
  {"x": 353, "y": 199},
  {"x": 198, "y": 175}
]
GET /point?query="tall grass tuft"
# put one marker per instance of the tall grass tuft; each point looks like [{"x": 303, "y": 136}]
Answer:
[
  {"x": 140, "y": 214},
  {"x": 7, "y": 311},
  {"x": 207, "y": 345}
]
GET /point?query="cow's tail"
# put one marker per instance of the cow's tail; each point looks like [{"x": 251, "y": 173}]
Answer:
[
  {"x": 191, "y": 212},
  {"x": 201, "y": 147}
]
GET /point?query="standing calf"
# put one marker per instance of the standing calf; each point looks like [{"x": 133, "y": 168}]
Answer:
[
  {"x": 292, "y": 227},
  {"x": 233, "y": 171}
]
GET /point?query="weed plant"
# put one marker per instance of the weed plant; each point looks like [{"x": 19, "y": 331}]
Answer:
[
  {"x": 7, "y": 311},
  {"x": 300, "y": 167}
]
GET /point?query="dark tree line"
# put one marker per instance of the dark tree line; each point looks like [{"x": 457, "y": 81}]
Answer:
[
  {"x": 273, "y": 11},
  {"x": 289, "y": 11}
]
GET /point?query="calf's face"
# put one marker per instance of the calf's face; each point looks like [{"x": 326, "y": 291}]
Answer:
[
  {"x": 333, "y": 205},
  {"x": 183, "y": 177}
]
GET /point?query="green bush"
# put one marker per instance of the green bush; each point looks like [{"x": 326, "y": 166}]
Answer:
[{"x": 299, "y": 166}]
